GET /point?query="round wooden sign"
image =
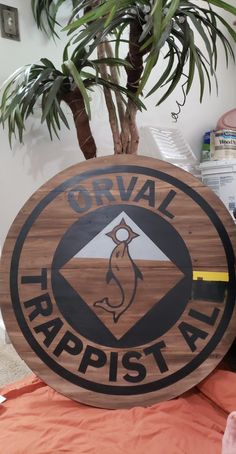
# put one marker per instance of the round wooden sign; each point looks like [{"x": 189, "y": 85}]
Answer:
[{"x": 118, "y": 281}]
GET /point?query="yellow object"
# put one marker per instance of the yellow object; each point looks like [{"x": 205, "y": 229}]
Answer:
[{"x": 211, "y": 276}]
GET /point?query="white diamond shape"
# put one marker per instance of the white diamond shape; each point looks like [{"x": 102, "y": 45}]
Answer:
[{"x": 140, "y": 248}]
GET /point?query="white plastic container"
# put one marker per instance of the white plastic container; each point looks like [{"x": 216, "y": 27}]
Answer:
[
  {"x": 220, "y": 176},
  {"x": 169, "y": 145}
]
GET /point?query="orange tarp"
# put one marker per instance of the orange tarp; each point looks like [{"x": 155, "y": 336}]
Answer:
[{"x": 35, "y": 419}]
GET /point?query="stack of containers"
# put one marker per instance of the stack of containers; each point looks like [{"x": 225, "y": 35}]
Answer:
[
  {"x": 168, "y": 144},
  {"x": 218, "y": 166}
]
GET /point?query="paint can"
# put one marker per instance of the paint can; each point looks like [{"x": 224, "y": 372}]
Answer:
[{"x": 223, "y": 144}]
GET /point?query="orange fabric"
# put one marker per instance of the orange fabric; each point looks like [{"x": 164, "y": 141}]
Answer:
[{"x": 37, "y": 420}]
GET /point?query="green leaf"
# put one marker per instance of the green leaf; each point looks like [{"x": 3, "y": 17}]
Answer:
[
  {"x": 27, "y": 107},
  {"x": 118, "y": 38},
  {"x": 61, "y": 114},
  {"x": 52, "y": 94},
  {"x": 91, "y": 16},
  {"x": 165, "y": 74},
  {"x": 174, "y": 5},
  {"x": 65, "y": 56},
  {"x": 208, "y": 75},
  {"x": 79, "y": 82},
  {"x": 45, "y": 13},
  {"x": 47, "y": 63},
  {"x": 110, "y": 16},
  {"x": 182, "y": 59},
  {"x": 115, "y": 87},
  {"x": 112, "y": 62},
  {"x": 151, "y": 61},
  {"x": 11, "y": 107},
  {"x": 191, "y": 71},
  {"x": 20, "y": 123},
  {"x": 223, "y": 5},
  {"x": 197, "y": 24},
  {"x": 32, "y": 89},
  {"x": 56, "y": 117},
  {"x": 157, "y": 20},
  {"x": 227, "y": 26},
  {"x": 199, "y": 66},
  {"x": 13, "y": 77}
]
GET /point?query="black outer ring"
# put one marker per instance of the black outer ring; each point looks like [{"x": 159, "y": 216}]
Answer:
[{"x": 141, "y": 388}]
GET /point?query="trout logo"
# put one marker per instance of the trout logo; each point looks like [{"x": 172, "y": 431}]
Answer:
[{"x": 122, "y": 282}]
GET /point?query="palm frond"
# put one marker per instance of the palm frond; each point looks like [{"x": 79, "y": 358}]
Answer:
[
  {"x": 45, "y": 13},
  {"x": 168, "y": 27},
  {"x": 38, "y": 85},
  {"x": 43, "y": 86},
  {"x": 164, "y": 23}
]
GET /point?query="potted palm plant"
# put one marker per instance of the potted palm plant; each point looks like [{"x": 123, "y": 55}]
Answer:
[{"x": 117, "y": 45}]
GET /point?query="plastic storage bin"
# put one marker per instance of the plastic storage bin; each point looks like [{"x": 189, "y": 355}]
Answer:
[{"x": 169, "y": 145}]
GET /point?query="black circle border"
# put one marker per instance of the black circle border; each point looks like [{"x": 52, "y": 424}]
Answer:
[{"x": 163, "y": 382}]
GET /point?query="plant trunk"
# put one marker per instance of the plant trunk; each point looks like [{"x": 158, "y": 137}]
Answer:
[
  {"x": 124, "y": 124},
  {"x": 75, "y": 101},
  {"x": 127, "y": 140},
  {"x": 133, "y": 129},
  {"x": 135, "y": 58},
  {"x": 115, "y": 79},
  {"x": 101, "y": 50}
]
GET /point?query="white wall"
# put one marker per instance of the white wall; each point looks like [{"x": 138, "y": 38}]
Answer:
[{"x": 26, "y": 167}]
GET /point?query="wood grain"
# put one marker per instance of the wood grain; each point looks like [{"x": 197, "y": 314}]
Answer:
[{"x": 119, "y": 325}]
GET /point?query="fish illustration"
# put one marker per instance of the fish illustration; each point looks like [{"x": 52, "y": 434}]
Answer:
[{"x": 125, "y": 278}]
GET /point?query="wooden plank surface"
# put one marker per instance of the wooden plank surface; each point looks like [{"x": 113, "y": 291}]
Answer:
[{"x": 118, "y": 281}]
